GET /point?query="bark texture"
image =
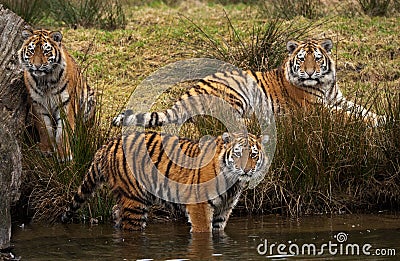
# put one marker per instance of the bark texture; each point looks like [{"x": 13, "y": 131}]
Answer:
[{"x": 13, "y": 117}]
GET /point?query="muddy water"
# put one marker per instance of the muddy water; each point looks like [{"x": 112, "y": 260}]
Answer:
[{"x": 349, "y": 237}]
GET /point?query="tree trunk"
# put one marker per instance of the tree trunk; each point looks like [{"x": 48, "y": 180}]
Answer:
[
  {"x": 10, "y": 179},
  {"x": 13, "y": 117}
]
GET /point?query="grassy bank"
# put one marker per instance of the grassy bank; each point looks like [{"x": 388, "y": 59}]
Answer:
[{"x": 323, "y": 164}]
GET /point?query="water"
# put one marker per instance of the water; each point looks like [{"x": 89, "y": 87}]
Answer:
[{"x": 242, "y": 237}]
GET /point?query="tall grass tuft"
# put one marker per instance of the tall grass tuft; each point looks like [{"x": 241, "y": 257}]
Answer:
[
  {"x": 287, "y": 9},
  {"x": 105, "y": 14},
  {"x": 330, "y": 163},
  {"x": 264, "y": 49},
  {"x": 32, "y": 11},
  {"x": 375, "y": 7},
  {"x": 53, "y": 181},
  {"x": 396, "y": 5}
]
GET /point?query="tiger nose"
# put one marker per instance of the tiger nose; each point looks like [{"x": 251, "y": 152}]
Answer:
[
  {"x": 38, "y": 61},
  {"x": 309, "y": 65},
  {"x": 310, "y": 71},
  {"x": 247, "y": 169},
  {"x": 37, "y": 64}
]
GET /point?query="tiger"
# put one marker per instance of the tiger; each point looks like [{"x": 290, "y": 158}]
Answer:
[
  {"x": 56, "y": 87},
  {"x": 306, "y": 77},
  {"x": 238, "y": 160}
]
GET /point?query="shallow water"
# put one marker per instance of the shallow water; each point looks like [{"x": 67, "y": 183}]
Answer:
[{"x": 245, "y": 238}]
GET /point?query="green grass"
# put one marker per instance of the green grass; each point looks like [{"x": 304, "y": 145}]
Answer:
[{"x": 329, "y": 166}]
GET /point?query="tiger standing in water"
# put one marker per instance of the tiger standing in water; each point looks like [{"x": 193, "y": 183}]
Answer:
[
  {"x": 131, "y": 166},
  {"x": 56, "y": 87},
  {"x": 307, "y": 77}
]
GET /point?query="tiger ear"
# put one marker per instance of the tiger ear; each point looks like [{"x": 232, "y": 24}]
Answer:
[
  {"x": 57, "y": 36},
  {"x": 291, "y": 46},
  {"x": 26, "y": 33},
  {"x": 226, "y": 137},
  {"x": 327, "y": 44}
]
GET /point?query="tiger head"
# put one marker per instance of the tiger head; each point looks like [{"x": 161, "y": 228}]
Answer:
[
  {"x": 310, "y": 65},
  {"x": 244, "y": 156},
  {"x": 40, "y": 52}
]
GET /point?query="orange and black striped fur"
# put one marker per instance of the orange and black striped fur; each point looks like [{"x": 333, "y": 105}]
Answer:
[
  {"x": 56, "y": 87},
  {"x": 307, "y": 77},
  {"x": 147, "y": 168}
]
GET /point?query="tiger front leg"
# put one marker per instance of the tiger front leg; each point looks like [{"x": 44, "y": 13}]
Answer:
[
  {"x": 221, "y": 215},
  {"x": 63, "y": 129},
  {"x": 200, "y": 216},
  {"x": 223, "y": 206},
  {"x": 352, "y": 110},
  {"x": 45, "y": 129},
  {"x": 220, "y": 219}
]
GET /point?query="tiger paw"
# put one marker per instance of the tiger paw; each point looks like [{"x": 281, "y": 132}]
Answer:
[
  {"x": 381, "y": 120},
  {"x": 375, "y": 121},
  {"x": 66, "y": 217},
  {"x": 118, "y": 120},
  {"x": 117, "y": 216}
]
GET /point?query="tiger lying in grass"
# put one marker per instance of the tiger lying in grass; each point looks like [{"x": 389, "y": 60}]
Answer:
[{"x": 306, "y": 78}]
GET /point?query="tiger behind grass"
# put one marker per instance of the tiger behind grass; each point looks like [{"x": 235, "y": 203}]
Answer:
[
  {"x": 239, "y": 162},
  {"x": 57, "y": 89},
  {"x": 307, "y": 77}
]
